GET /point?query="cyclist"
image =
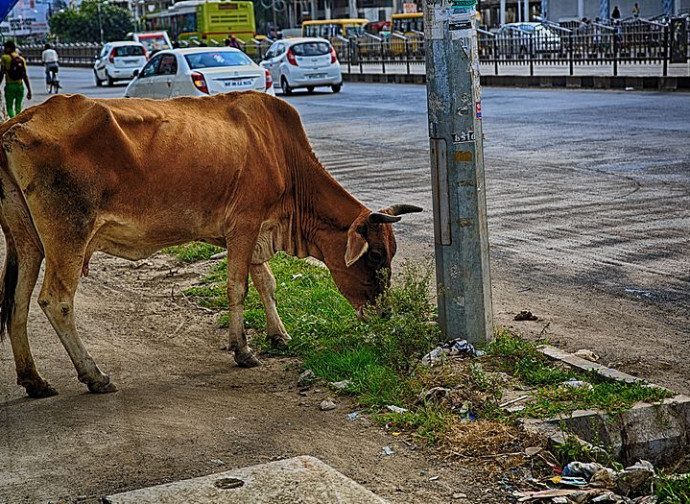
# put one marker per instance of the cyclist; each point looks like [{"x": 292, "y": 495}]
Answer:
[{"x": 50, "y": 61}]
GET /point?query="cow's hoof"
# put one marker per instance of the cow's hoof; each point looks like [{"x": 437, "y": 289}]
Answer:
[
  {"x": 102, "y": 388},
  {"x": 279, "y": 341},
  {"x": 40, "y": 391},
  {"x": 247, "y": 360}
]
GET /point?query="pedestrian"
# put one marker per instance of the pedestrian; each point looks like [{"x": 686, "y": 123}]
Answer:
[
  {"x": 13, "y": 68},
  {"x": 232, "y": 42},
  {"x": 636, "y": 10},
  {"x": 616, "y": 14}
]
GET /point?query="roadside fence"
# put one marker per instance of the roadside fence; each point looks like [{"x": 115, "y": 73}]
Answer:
[{"x": 567, "y": 46}]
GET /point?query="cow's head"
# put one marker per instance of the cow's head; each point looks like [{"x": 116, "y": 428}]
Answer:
[{"x": 368, "y": 254}]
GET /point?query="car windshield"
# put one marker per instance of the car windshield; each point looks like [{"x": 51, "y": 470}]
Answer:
[
  {"x": 217, "y": 59},
  {"x": 154, "y": 43},
  {"x": 311, "y": 49},
  {"x": 129, "y": 51}
]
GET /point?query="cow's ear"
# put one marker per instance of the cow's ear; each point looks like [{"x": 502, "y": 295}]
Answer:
[{"x": 357, "y": 246}]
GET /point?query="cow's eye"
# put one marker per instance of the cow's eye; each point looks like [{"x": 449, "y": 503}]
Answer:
[{"x": 376, "y": 257}]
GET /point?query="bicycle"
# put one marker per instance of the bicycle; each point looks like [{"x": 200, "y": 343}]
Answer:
[{"x": 52, "y": 80}]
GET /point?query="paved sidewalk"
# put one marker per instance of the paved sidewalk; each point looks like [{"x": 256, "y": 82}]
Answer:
[{"x": 635, "y": 76}]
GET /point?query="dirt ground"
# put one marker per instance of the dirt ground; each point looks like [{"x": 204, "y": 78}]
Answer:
[{"x": 183, "y": 409}]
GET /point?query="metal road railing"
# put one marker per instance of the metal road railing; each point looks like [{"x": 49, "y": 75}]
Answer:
[{"x": 571, "y": 45}]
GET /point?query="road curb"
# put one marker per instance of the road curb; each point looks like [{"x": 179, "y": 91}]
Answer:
[
  {"x": 658, "y": 432},
  {"x": 554, "y": 81}
]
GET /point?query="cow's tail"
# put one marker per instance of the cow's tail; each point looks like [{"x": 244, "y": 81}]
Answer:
[
  {"x": 10, "y": 275},
  {"x": 10, "y": 271}
]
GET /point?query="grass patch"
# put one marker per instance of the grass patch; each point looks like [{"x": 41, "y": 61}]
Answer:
[
  {"x": 193, "y": 251},
  {"x": 672, "y": 489},
  {"x": 522, "y": 360},
  {"x": 382, "y": 356}
]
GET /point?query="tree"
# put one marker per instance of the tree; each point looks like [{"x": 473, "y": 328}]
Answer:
[{"x": 84, "y": 24}]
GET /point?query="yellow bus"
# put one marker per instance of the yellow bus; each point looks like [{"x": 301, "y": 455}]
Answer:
[
  {"x": 408, "y": 23},
  {"x": 411, "y": 25},
  {"x": 206, "y": 20},
  {"x": 331, "y": 28}
]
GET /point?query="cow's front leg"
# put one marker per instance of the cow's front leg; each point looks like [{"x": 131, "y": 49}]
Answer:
[
  {"x": 265, "y": 284},
  {"x": 238, "y": 275}
]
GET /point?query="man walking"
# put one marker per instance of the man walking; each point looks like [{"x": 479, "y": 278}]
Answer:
[{"x": 13, "y": 67}]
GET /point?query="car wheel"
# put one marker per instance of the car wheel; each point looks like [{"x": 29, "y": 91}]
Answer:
[
  {"x": 287, "y": 90},
  {"x": 310, "y": 89},
  {"x": 336, "y": 87},
  {"x": 99, "y": 82},
  {"x": 111, "y": 81}
]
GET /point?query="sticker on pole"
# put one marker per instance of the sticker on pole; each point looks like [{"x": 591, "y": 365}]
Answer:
[
  {"x": 460, "y": 19},
  {"x": 478, "y": 107},
  {"x": 463, "y": 3},
  {"x": 463, "y": 136}
]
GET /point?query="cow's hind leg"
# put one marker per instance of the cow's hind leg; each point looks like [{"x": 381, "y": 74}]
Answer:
[
  {"x": 22, "y": 265},
  {"x": 265, "y": 284},
  {"x": 57, "y": 300}
]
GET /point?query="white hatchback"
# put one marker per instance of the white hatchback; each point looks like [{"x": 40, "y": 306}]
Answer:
[
  {"x": 303, "y": 63},
  {"x": 199, "y": 71},
  {"x": 118, "y": 61}
]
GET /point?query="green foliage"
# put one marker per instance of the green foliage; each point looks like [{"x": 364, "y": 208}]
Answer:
[
  {"x": 378, "y": 355},
  {"x": 672, "y": 489},
  {"x": 426, "y": 422},
  {"x": 83, "y": 23},
  {"x": 193, "y": 251}
]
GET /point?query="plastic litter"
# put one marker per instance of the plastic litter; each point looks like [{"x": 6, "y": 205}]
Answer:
[
  {"x": 569, "y": 481},
  {"x": 306, "y": 378},
  {"x": 582, "y": 469},
  {"x": 457, "y": 346},
  {"x": 352, "y": 416},
  {"x": 386, "y": 450},
  {"x": 436, "y": 356},
  {"x": 587, "y": 355},
  {"x": 340, "y": 385},
  {"x": 396, "y": 409},
  {"x": 578, "y": 384}
]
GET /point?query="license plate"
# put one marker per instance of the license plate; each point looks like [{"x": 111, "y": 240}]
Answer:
[
  {"x": 316, "y": 76},
  {"x": 239, "y": 83},
  {"x": 130, "y": 62}
]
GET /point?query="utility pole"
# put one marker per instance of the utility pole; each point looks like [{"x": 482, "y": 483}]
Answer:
[{"x": 457, "y": 170}]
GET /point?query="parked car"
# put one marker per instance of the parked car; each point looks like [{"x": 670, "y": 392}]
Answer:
[
  {"x": 521, "y": 39},
  {"x": 303, "y": 63},
  {"x": 118, "y": 61},
  {"x": 199, "y": 71}
]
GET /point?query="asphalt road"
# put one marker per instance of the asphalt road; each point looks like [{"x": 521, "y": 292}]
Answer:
[{"x": 588, "y": 196}]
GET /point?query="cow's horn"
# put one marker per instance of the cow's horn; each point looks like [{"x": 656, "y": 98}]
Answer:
[
  {"x": 402, "y": 209},
  {"x": 381, "y": 218}
]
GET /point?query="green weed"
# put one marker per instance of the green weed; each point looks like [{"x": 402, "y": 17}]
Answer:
[
  {"x": 193, "y": 251},
  {"x": 672, "y": 489}
]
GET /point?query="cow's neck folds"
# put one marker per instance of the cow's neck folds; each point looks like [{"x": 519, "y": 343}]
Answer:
[{"x": 323, "y": 213}]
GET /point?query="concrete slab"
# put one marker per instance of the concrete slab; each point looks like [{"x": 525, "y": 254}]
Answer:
[{"x": 299, "y": 480}]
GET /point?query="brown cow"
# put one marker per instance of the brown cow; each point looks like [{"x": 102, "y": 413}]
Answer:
[{"x": 128, "y": 177}]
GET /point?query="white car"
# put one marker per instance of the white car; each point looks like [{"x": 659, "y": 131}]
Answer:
[
  {"x": 522, "y": 39},
  {"x": 199, "y": 71},
  {"x": 303, "y": 63},
  {"x": 118, "y": 61}
]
